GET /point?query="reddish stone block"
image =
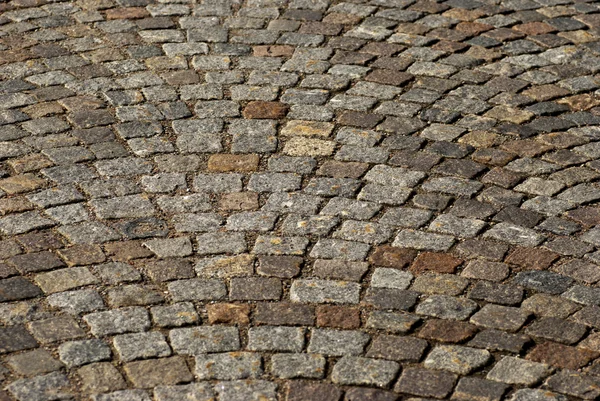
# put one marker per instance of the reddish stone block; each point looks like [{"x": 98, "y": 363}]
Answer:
[
  {"x": 435, "y": 262},
  {"x": 228, "y": 313},
  {"x": 261, "y": 109},
  {"x": 238, "y": 163},
  {"x": 447, "y": 331},
  {"x": 532, "y": 258},
  {"x": 341, "y": 317},
  {"x": 390, "y": 256},
  {"x": 562, "y": 356}
]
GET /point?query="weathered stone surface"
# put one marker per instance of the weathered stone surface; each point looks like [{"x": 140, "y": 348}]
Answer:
[
  {"x": 198, "y": 340},
  {"x": 457, "y": 359},
  {"x": 364, "y": 371},
  {"x": 154, "y": 372},
  {"x": 299, "y": 199},
  {"x": 425, "y": 383},
  {"x": 513, "y": 370}
]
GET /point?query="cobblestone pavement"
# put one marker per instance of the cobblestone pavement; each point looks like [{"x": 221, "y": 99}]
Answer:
[{"x": 299, "y": 200}]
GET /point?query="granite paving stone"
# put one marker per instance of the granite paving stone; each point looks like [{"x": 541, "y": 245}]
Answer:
[{"x": 299, "y": 200}]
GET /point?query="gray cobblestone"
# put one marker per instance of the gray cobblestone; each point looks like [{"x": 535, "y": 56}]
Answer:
[
  {"x": 209, "y": 180},
  {"x": 320, "y": 291},
  {"x": 271, "y": 338},
  {"x": 200, "y": 340}
]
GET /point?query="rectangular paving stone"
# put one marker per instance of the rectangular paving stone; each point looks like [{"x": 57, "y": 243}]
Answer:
[
  {"x": 317, "y": 225},
  {"x": 36, "y": 261},
  {"x": 350, "y": 208},
  {"x": 298, "y": 390},
  {"x": 240, "y": 390},
  {"x": 423, "y": 240},
  {"x": 15, "y": 338},
  {"x": 292, "y": 203},
  {"x": 65, "y": 279},
  {"x": 200, "y": 340},
  {"x": 141, "y": 346},
  {"x": 199, "y": 391},
  {"x": 364, "y": 371},
  {"x": 397, "y": 348},
  {"x": 21, "y": 223},
  {"x": 45, "y": 387},
  {"x": 345, "y": 187},
  {"x": 197, "y": 290},
  {"x": 370, "y": 233},
  {"x": 324, "y": 291},
  {"x": 425, "y": 382},
  {"x": 294, "y": 366},
  {"x": 339, "y": 269},
  {"x": 82, "y": 352},
  {"x": 17, "y": 288},
  {"x": 284, "y": 314},
  {"x": 154, "y": 372},
  {"x": 453, "y": 186},
  {"x": 513, "y": 234},
  {"x": 117, "y": 321},
  {"x": 276, "y": 338},
  {"x": 271, "y": 245},
  {"x": 56, "y": 329},
  {"x": 390, "y": 298},
  {"x": 512, "y": 370},
  {"x": 500, "y": 317},
  {"x": 447, "y": 307},
  {"x": 255, "y": 289},
  {"x": 395, "y": 176},
  {"x": 465, "y": 228},
  {"x": 339, "y": 249},
  {"x": 337, "y": 342},
  {"x": 394, "y": 322},
  {"x": 229, "y": 366},
  {"x": 472, "y": 388},
  {"x": 457, "y": 359},
  {"x": 175, "y": 315}
]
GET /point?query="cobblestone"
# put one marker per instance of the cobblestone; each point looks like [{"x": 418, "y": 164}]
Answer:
[{"x": 355, "y": 200}]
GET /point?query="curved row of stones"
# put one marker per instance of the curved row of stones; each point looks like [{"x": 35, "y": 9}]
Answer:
[{"x": 299, "y": 200}]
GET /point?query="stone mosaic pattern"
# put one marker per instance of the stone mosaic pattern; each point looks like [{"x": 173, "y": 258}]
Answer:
[{"x": 299, "y": 200}]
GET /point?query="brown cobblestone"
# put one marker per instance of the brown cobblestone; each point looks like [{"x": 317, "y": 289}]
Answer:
[
  {"x": 447, "y": 331},
  {"x": 239, "y": 201},
  {"x": 82, "y": 255},
  {"x": 238, "y": 182},
  {"x": 389, "y": 256},
  {"x": 238, "y": 163},
  {"x": 562, "y": 356},
  {"x": 228, "y": 313},
  {"x": 340, "y": 317},
  {"x": 532, "y": 258},
  {"x": 435, "y": 262}
]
